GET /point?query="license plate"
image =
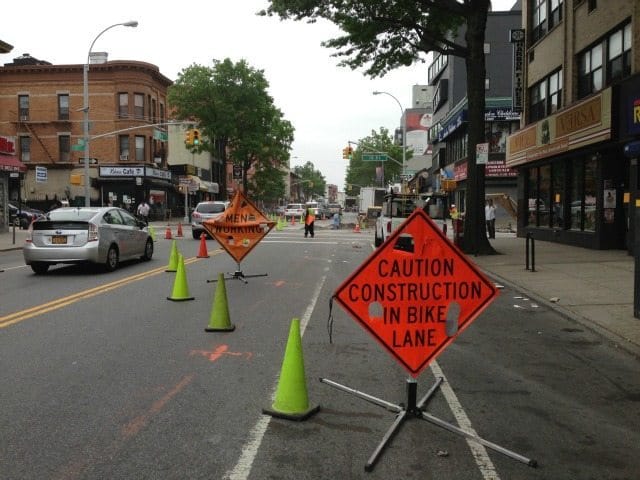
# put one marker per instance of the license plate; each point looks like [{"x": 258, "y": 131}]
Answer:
[{"x": 59, "y": 239}]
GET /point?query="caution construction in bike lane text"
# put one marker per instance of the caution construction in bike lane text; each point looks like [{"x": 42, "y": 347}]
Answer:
[{"x": 416, "y": 293}]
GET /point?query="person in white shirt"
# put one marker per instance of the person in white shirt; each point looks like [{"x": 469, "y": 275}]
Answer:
[
  {"x": 143, "y": 211},
  {"x": 490, "y": 218}
]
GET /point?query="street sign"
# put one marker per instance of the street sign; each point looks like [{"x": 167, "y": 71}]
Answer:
[
  {"x": 240, "y": 228},
  {"x": 416, "y": 293},
  {"x": 482, "y": 153},
  {"x": 41, "y": 174},
  {"x": 374, "y": 157}
]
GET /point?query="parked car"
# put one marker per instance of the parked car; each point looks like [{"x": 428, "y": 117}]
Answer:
[
  {"x": 23, "y": 216},
  {"x": 334, "y": 208},
  {"x": 314, "y": 205},
  {"x": 211, "y": 210},
  {"x": 294, "y": 210},
  {"x": 101, "y": 235}
]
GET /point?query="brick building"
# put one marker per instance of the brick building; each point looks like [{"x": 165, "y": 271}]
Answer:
[
  {"x": 41, "y": 114},
  {"x": 581, "y": 86}
]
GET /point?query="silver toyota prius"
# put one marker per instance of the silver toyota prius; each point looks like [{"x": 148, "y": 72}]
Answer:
[{"x": 101, "y": 235}]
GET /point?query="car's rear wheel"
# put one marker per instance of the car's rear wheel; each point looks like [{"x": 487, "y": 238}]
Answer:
[
  {"x": 39, "y": 268},
  {"x": 148, "y": 250},
  {"x": 196, "y": 235},
  {"x": 377, "y": 240},
  {"x": 112, "y": 259}
]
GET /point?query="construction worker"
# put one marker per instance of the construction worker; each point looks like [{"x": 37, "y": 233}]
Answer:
[{"x": 309, "y": 221}]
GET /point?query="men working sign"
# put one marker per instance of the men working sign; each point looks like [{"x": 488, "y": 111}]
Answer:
[
  {"x": 416, "y": 292},
  {"x": 240, "y": 228}
]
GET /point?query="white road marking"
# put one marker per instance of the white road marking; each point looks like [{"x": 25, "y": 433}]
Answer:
[
  {"x": 480, "y": 455},
  {"x": 250, "y": 449}
]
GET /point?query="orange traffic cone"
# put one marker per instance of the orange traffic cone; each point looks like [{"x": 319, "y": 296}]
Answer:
[
  {"x": 202, "y": 253},
  {"x": 167, "y": 233},
  {"x": 179, "y": 234},
  {"x": 291, "y": 399},
  {"x": 293, "y": 220}
]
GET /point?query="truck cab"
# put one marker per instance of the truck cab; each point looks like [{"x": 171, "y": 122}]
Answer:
[{"x": 396, "y": 208}]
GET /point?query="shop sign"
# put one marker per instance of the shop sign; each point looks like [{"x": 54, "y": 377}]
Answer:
[{"x": 121, "y": 171}]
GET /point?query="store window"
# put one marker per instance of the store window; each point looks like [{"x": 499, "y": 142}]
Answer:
[
  {"x": 532, "y": 197},
  {"x": 582, "y": 194},
  {"x": 496, "y": 134},
  {"x": 590, "y": 192},
  {"x": 557, "y": 195}
]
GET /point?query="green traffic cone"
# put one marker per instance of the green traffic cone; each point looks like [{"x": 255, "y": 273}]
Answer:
[
  {"x": 180, "y": 288},
  {"x": 291, "y": 401},
  {"x": 219, "y": 319},
  {"x": 173, "y": 258}
]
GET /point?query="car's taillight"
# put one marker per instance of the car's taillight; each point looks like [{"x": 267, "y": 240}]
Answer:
[{"x": 92, "y": 235}]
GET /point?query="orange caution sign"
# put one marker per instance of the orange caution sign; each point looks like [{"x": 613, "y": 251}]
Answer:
[
  {"x": 240, "y": 228},
  {"x": 416, "y": 293}
]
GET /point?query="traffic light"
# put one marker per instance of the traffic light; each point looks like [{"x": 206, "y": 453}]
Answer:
[
  {"x": 196, "y": 137},
  {"x": 188, "y": 138},
  {"x": 349, "y": 152},
  {"x": 345, "y": 153}
]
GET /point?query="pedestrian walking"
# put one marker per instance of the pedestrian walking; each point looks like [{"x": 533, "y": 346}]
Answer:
[
  {"x": 490, "y": 218},
  {"x": 309, "y": 221},
  {"x": 143, "y": 211}
]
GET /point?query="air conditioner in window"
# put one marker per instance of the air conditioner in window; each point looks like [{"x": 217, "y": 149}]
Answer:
[
  {"x": 24, "y": 118},
  {"x": 124, "y": 158}
]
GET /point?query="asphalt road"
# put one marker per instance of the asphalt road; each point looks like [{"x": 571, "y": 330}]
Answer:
[{"x": 102, "y": 377}]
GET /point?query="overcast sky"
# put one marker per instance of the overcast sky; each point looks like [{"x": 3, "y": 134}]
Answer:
[{"x": 327, "y": 105}]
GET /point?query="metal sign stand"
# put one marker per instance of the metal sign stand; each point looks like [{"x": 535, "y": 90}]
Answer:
[
  {"x": 238, "y": 275},
  {"x": 416, "y": 409}
]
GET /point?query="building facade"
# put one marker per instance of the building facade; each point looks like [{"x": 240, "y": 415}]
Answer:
[
  {"x": 449, "y": 133},
  {"x": 581, "y": 91},
  {"x": 41, "y": 110}
]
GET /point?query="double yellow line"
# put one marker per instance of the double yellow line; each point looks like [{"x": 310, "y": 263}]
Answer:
[{"x": 76, "y": 297}]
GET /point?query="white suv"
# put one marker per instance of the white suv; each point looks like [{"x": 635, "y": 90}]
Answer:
[
  {"x": 205, "y": 211},
  {"x": 294, "y": 210}
]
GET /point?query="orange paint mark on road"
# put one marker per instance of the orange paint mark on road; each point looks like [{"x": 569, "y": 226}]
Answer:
[
  {"x": 218, "y": 352},
  {"x": 141, "y": 421}
]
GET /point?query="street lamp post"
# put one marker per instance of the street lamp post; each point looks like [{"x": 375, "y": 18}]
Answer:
[
  {"x": 85, "y": 109},
  {"x": 404, "y": 133}
]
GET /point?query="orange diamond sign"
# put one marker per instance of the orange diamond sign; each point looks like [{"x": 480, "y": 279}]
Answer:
[
  {"x": 416, "y": 293},
  {"x": 240, "y": 228}
]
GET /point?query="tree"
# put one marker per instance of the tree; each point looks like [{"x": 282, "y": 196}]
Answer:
[
  {"x": 382, "y": 36},
  {"x": 311, "y": 182},
  {"x": 362, "y": 173},
  {"x": 237, "y": 115}
]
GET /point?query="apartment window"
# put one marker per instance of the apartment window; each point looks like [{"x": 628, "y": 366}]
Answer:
[
  {"x": 554, "y": 100},
  {"x": 605, "y": 62},
  {"x": 138, "y": 105},
  {"x": 555, "y": 13},
  {"x": 539, "y": 19},
  {"x": 545, "y": 97},
  {"x": 123, "y": 105},
  {"x": 64, "y": 147},
  {"x": 140, "y": 141},
  {"x": 63, "y": 106},
  {"x": 25, "y": 149},
  {"x": 437, "y": 66},
  {"x": 23, "y": 107},
  {"x": 162, "y": 118},
  {"x": 124, "y": 148},
  {"x": 619, "y": 54},
  {"x": 154, "y": 119},
  {"x": 537, "y": 99},
  {"x": 590, "y": 72}
]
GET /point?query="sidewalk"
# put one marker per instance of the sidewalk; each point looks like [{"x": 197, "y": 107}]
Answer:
[{"x": 592, "y": 287}]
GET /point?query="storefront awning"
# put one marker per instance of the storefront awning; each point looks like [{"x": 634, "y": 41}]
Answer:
[{"x": 9, "y": 163}]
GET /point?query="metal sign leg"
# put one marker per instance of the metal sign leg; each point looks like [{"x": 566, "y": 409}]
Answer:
[{"x": 238, "y": 275}]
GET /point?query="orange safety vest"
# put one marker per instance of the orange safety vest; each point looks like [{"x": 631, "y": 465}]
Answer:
[{"x": 310, "y": 217}]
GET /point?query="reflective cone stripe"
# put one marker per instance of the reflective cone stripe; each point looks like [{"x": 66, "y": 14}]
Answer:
[
  {"x": 202, "y": 253},
  {"x": 180, "y": 287},
  {"x": 219, "y": 320},
  {"x": 291, "y": 399},
  {"x": 173, "y": 258}
]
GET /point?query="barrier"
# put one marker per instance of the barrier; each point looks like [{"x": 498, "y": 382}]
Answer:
[{"x": 530, "y": 252}]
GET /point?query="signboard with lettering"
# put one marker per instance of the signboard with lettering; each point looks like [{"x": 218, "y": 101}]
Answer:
[
  {"x": 240, "y": 228},
  {"x": 416, "y": 293}
]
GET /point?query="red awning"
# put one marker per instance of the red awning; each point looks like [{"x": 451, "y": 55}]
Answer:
[{"x": 9, "y": 163}]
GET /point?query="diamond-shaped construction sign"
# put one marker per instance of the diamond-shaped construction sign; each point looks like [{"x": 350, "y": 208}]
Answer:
[
  {"x": 240, "y": 228},
  {"x": 416, "y": 293}
]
